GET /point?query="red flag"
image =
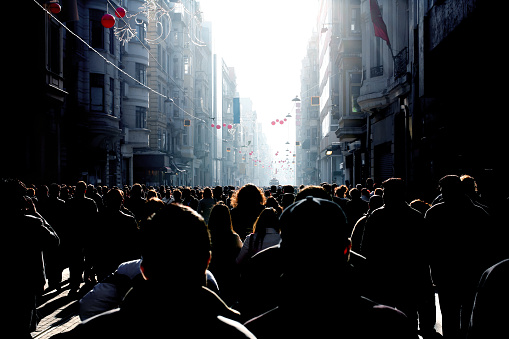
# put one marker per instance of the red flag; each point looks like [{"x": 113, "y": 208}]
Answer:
[{"x": 378, "y": 21}]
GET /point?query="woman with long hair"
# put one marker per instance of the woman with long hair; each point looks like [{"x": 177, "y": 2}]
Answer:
[
  {"x": 247, "y": 204},
  {"x": 226, "y": 245}
]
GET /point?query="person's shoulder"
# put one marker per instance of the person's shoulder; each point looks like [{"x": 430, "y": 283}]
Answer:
[
  {"x": 378, "y": 320},
  {"x": 435, "y": 209}
]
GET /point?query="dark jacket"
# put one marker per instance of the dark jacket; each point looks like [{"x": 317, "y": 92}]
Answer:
[
  {"x": 398, "y": 271},
  {"x": 490, "y": 313},
  {"x": 150, "y": 312},
  {"x": 306, "y": 312},
  {"x": 115, "y": 240}
]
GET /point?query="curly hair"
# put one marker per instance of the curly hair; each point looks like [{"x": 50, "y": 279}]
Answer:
[{"x": 248, "y": 194}]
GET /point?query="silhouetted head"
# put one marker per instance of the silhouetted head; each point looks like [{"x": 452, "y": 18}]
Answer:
[
  {"x": 249, "y": 195},
  {"x": 394, "y": 190},
  {"x": 114, "y": 198},
  {"x": 81, "y": 188},
  {"x": 175, "y": 246},
  {"x": 450, "y": 187},
  {"x": 375, "y": 201},
  {"x": 306, "y": 229}
]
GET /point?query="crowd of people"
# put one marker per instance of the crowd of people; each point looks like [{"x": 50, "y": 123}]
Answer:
[{"x": 260, "y": 262}]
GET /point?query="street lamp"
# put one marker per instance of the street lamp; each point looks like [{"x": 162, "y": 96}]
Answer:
[{"x": 296, "y": 98}]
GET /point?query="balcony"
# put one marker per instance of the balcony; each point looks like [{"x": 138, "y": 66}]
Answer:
[
  {"x": 400, "y": 63},
  {"x": 137, "y": 137},
  {"x": 186, "y": 152},
  {"x": 201, "y": 150},
  {"x": 351, "y": 128}
]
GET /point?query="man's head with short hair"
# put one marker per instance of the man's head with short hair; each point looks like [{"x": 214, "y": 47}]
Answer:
[
  {"x": 114, "y": 198},
  {"x": 394, "y": 190},
  {"x": 305, "y": 227},
  {"x": 175, "y": 245},
  {"x": 81, "y": 188},
  {"x": 450, "y": 187}
]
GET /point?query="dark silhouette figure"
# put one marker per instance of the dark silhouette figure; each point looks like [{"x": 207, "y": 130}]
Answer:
[
  {"x": 490, "y": 313},
  {"x": 205, "y": 204},
  {"x": 458, "y": 255},
  {"x": 55, "y": 258},
  {"x": 356, "y": 207},
  {"x": 319, "y": 295},
  {"x": 226, "y": 245},
  {"x": 25, "y": 234},
  {"x": 399, "y": 277},
  {"x": 115, "y": 236},
  {"x": 340, "y": 196},
  {"x": 82, "y": 212},
  {"x": 171, "y": 300},
  {"x": 136, "y": 202},
  {"x": 247, "y": 205},
  {"x": 375, "y": 202}
]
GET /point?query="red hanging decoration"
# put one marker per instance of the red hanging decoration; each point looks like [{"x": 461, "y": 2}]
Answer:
[
  {"x": 218, "y": 126},
  {"x": 273, "y": 123},
  {"x": 230, "y": 126},
  {"x": 120, "y": 12},
  {"x": 54, "y": 8},
  {"x": 108, "y": 20},
  {"x": 281, "y": 122},
  {"x": 212, "y": 125}
]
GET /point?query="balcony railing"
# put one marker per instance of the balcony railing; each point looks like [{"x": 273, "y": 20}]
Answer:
[
  {"x": 377, "y": 71},
  {"x": 400, "y": 63}
]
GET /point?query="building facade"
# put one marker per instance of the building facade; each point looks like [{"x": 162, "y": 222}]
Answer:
[
  {"x": 307, "y": 121},
  {"x": 398, "y": 106}
]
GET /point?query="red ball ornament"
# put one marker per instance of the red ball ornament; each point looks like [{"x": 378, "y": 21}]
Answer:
[
  {"x": 54, "y": 8},
  {"x": 273, "y": 123},
  {"x": 224, "y": 124},
  {"x": 230, "y": 126},
  {"x": 108, "y": 20},
  {"x": 218, "y": 126},
  {"x": 281, "y": 122},
  {"x": 212, "y": 125},
  {"x": 120, "y": 12},
  {"x": 277, "y": 120},
  {"x": 285, "y": 119}
]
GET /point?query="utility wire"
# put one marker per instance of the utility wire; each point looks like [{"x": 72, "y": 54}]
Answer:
[{"x": 111, "y": 63}]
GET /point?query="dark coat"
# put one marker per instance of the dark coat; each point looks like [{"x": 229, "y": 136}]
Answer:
[
  {"x": 490, "y": 313},
  {"x": 333, "y": 308},
  {"x": 115, "y": 240},
  {"x": 398, "y": 273},
  {"x": 149, "y": 312}
]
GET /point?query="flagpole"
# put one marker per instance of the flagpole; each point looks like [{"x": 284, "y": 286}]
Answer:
[{"x": 392, "y": 53}]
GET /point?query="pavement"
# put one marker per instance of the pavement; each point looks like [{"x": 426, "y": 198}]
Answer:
[{"x": 58, "y": 311}]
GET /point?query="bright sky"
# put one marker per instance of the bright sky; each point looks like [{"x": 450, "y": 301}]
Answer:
[{"x": 265, "y": 42}]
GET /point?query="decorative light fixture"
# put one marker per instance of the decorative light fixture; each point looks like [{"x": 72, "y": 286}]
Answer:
[{"x": 108, "y": 20}]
